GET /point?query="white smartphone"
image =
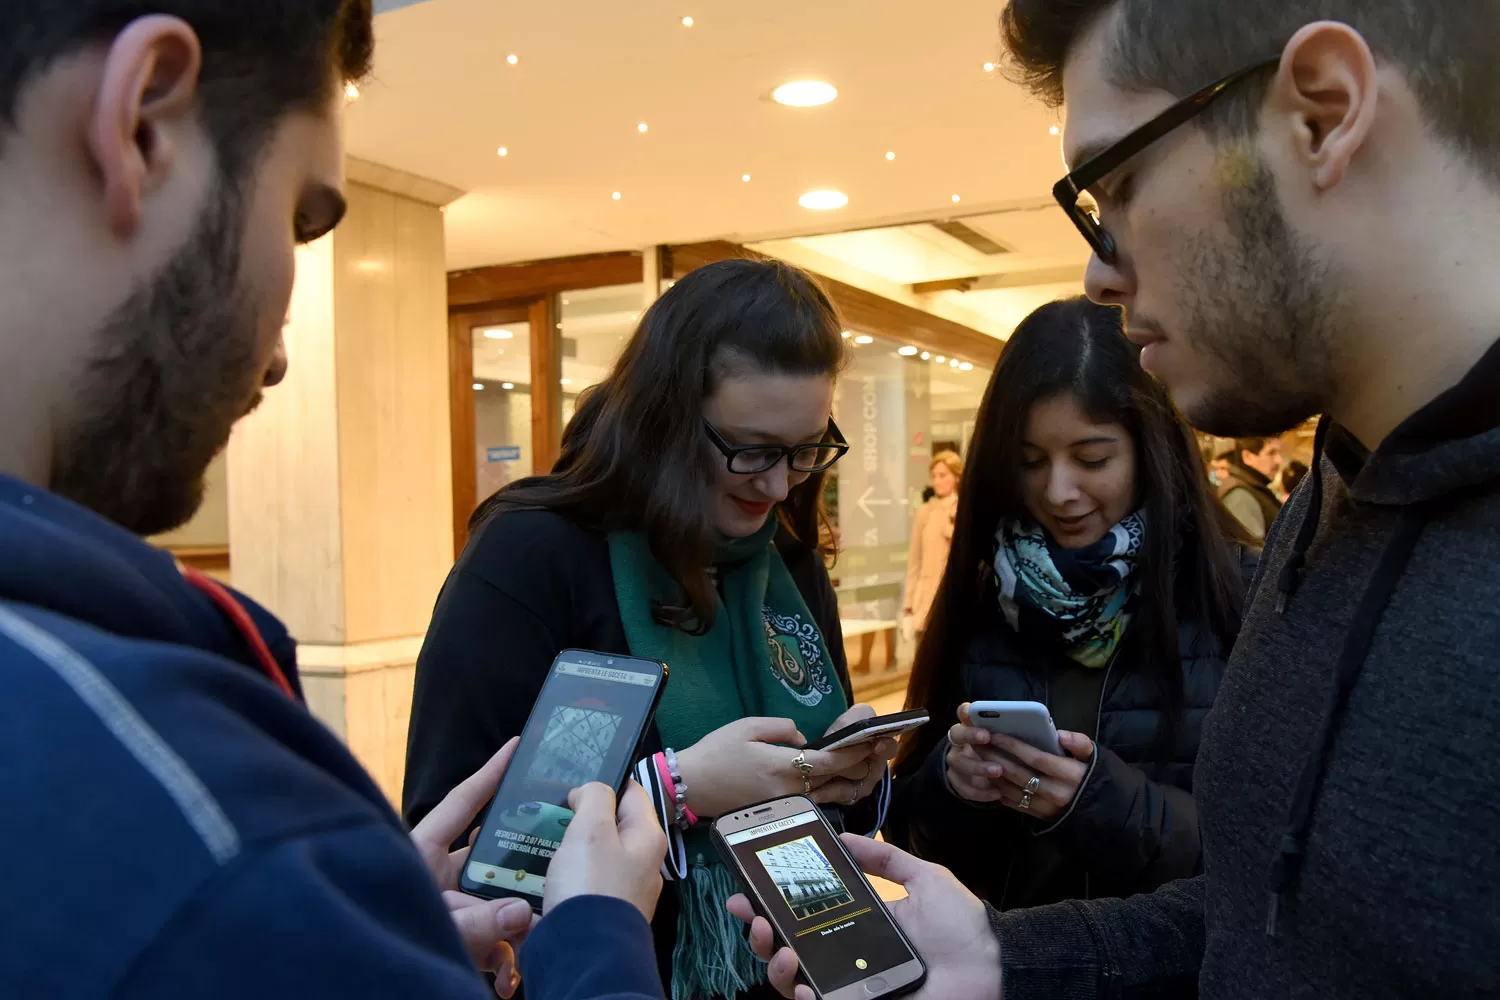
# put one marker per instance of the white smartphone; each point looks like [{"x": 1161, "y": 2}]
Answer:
[
  {"x": 869, "y": 730},
  {"x": 800, "y": 878},
  {"x": 1027, "y": 721}
]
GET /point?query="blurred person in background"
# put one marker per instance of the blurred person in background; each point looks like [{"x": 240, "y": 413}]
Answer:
[
  {"x": 1253, "y": 466},
  {"x": 1291, "y": 478},
  {"x": 931, "y": 533},
  {"x": 176, "y": 823},
  {"x": 681, "y": 523},
  {"x": 1091, "y": 571}
]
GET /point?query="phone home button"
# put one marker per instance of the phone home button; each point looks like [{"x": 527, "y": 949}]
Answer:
[{"x": 875, "y": 986}]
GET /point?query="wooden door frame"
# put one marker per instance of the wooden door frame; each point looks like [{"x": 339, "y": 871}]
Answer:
[{"x": 461, "y": 324}]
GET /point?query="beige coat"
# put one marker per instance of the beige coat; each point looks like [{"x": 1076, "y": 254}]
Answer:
[{"x": 931, "y": 534}]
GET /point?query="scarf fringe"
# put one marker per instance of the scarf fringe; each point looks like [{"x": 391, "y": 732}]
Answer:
[{"x": 712, "y": 957}]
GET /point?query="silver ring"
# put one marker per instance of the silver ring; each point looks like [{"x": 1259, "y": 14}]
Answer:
[
  {"x": 802, "y": 767},
  {"x": 1032, "y": 784},
  {"x": 1025, "y": 800}
]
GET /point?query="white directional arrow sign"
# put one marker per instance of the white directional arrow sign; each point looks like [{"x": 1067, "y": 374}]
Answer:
[{"x": 864, "y": 503}]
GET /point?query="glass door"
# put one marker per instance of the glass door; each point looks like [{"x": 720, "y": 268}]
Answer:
[{"x": 501, "y": 353}]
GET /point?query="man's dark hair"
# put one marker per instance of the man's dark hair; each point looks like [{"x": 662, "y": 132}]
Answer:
[
  {"x": 1445, "y": 48},
  {"x": 261, "y": 58},
  {"x": 1253, "y": 445}
]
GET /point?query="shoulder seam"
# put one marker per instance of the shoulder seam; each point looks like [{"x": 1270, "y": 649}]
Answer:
[{"x": 117, "y": 715}]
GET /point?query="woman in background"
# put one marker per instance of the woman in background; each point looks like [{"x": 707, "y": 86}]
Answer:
[
  {"x": 1092, "y": 571},
  {"x": 931, "y": 533}
]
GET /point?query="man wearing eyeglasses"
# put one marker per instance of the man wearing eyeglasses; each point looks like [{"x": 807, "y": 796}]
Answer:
[{"x": 1298, "y": 217}]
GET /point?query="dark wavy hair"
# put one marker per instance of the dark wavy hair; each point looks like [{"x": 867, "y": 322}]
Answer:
[
  {"x": 1190, "y": 565},
  {"x": 635, "y": 455}
]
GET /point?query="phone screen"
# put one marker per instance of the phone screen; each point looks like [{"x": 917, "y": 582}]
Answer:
[
  {"x": 585, "y": 727},
  {"x": 820, "y": 903}
]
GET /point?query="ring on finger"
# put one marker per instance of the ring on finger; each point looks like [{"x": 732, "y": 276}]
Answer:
[{"x": 803, "y": 768}]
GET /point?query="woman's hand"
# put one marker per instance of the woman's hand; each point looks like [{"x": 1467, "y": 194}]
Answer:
[
  {"x": 991, "y": 767},
  {"x": 856, "y": 782},
  {"x": 741, "y": 763}
]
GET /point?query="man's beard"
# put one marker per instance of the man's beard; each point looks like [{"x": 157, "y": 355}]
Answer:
[
  {"x": 1259, "y": 308},
  {"x": 175, "y": 368}
]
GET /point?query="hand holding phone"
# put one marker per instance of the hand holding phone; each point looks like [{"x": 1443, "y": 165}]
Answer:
[
  {"x": 994, "y": 757},
  {"x": 608, "y": 851},
  {"x": 869, "y": 730}
]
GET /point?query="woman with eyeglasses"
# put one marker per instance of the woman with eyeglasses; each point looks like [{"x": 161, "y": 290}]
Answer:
[
  {"x": 681, "y": 523},
  {"x": 1091, "y": 571}
]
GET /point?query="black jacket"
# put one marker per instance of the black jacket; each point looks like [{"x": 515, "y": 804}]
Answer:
[
  {"x": 528, "y": 585},
  {"x": 1133, "y": 825}
]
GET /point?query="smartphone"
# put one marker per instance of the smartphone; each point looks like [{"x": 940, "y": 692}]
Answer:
[
  {"x": 587, "y": 725},
  {"x": 872, "y": 729},
  {"x": 800, "y": 878},
  {"x": 1027, "y": 721}
]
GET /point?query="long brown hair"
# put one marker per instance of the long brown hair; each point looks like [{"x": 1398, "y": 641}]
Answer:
[
  {"x": 635, "y": 456},
  {"x": 1189, "y": 565}
]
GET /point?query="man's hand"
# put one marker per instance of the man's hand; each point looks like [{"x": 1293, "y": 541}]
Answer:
[
  {"x": 491, "y": 929},
  {"x": 943, "y": 920},
  {"x": 603, "y": 854}
]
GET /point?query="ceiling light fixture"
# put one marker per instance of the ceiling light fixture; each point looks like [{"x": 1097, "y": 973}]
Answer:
[
  {"x": 847, "y": 334},
  {"x": 864, "y": 338},
  {"x": 512, "y": 59},
  {"x": 941, "y": 360},
  {"x": 1054, "y": 130},
  {"x": 956, "y": 199},
  {"x": 687, "y": 22},
  {"x": 890, "y": 155},
  {"x": 953, "y": 363},
  {"x": 805, "y": 93},
  {"x": 351, "y": 91},
  {"x": 926, "y": 356},
  {"x": 565, "y": 381},
  {"x": 478, "y": 386},
  {"x": 498, "y": 333},
  {"x": 502, "y": 151},
  {"x": 823, "y": 200},
  {"x": 745, "y": 178},
  {"x": 615, "y": 195},
  {"x": 507, "y": 385},
  {"x": 907, "y": 351},
  {"x": 989, "y": 67},
  {"x": 965, "y": 366},
  {"x": 642, "y": 128}
]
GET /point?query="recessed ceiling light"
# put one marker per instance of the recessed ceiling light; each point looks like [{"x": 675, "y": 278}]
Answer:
[
  {"x": 965, "y": 366},
  {"x": 351, "y": 91},
  {"x": 642, "y": 128},
  {"x": 907, "y": 351},
  {"x": 507, "y": 385},
  {"x": 478, "y": 386},
  {"x": 565, "y": 381},
  {"x": 926, "y": 356},
  {"x": 512, "y": 59},
  {"x": 847, "y": 334},
  {"x": 941, "y": 360},
  {"x": 498, "y": 333},
  {"x": 989, "y": 67},
  {"x": 956, "y": 199},
  {"x": 502, "y": 151},
  {"x": 864, "y": 339},
  {"x": 824, "y": 200},
  {"x": 805, "y": 93},
  {"x": 891, "y": 155},
  {"x": 687, "y": 22},
  {"x": 953, "y": 363},
  {"x": 1054, "y": 130},
  {"x": 745, "y": 178},
  {"x": 615, "y": 195}
]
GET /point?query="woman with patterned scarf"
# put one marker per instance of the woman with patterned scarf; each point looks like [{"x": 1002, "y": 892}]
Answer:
[
  {"x": 681, "y": 523},
  {"x": 1091, "y": 571}
]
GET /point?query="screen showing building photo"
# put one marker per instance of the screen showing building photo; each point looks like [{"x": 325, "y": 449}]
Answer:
[
  {"x": 574, "y": 745},
  {"x": 807, "y": 881}
]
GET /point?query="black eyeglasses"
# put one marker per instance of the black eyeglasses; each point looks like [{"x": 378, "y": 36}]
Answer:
[
  {"x": 1069, "y": 191},
  {"x": 746, "y": 460}
]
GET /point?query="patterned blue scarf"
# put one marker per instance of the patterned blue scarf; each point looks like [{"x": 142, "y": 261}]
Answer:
[{"x": 1082, "y": 595}]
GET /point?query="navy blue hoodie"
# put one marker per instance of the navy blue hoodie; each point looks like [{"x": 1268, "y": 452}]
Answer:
[{"x": 172, "y": 825}]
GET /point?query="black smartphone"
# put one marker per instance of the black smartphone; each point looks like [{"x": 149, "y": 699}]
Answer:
[
  {"x": 867, "y": 730},
  {"x": 801, "y": 879},
  {"x": 587, "y": 725}
]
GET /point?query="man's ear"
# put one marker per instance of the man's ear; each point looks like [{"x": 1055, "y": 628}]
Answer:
[
  {"x": 147, "y": 96},
  {"x": 1328, "y": 87}
]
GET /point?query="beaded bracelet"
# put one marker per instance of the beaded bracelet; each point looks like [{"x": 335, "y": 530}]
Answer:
[{"x": 676, "y": 788}]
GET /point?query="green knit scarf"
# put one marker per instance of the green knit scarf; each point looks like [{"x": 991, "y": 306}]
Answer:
[{"x": 763, "y": 656}]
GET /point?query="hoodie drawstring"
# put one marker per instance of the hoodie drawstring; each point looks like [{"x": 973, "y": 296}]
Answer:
[
  {"x": 1290, "y": 577},
  {"x": 1357, "y": 640}
]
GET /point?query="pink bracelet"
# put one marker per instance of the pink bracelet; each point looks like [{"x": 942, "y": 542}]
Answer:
[{"x": 665, "y": 774}]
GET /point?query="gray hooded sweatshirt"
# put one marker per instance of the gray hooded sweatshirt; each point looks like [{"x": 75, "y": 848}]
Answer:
[{"x": 1347, "y": 785}]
